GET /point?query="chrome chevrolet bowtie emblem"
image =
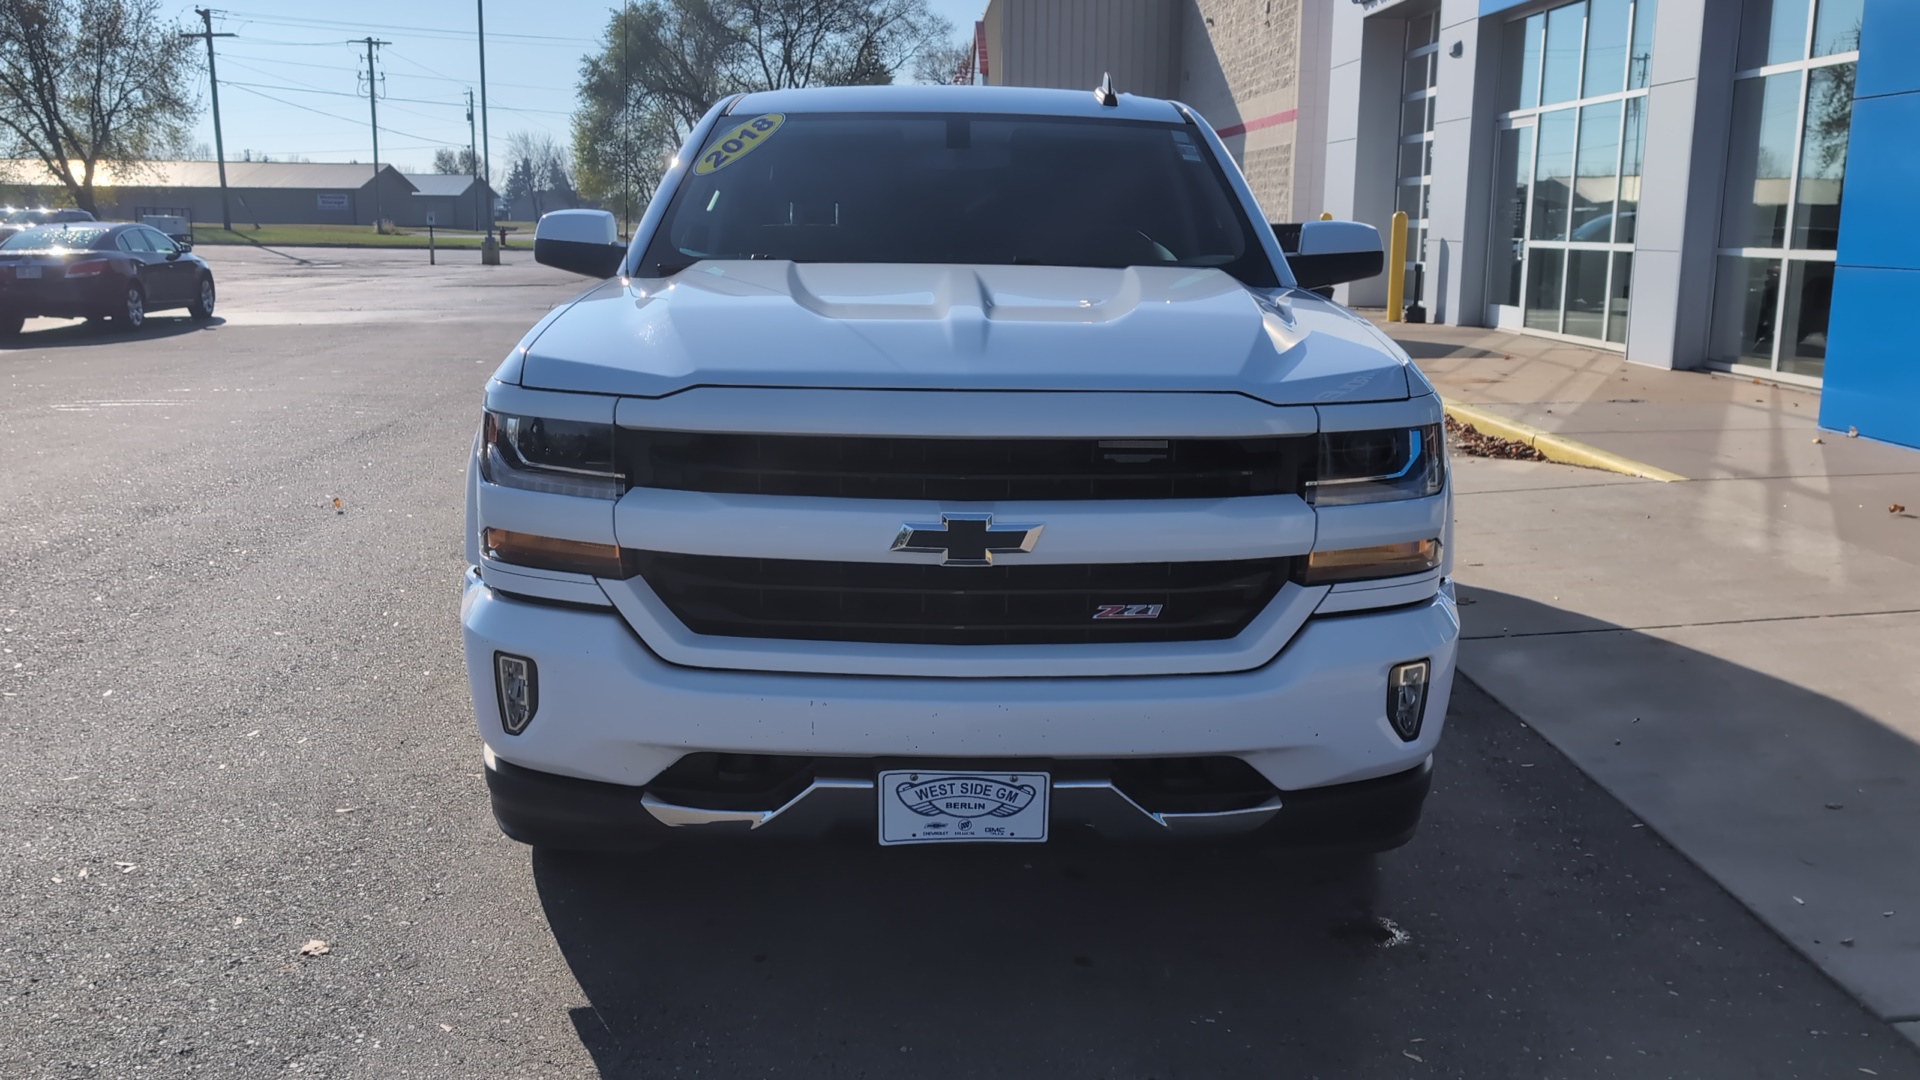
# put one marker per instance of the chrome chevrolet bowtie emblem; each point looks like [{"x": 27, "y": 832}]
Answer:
[{"x": 966, "y": 539}]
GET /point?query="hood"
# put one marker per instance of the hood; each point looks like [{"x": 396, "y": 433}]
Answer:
[{"x": 890, "y": 326}]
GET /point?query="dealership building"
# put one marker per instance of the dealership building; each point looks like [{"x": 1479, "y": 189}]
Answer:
[{"x": 1695, "y": 183}]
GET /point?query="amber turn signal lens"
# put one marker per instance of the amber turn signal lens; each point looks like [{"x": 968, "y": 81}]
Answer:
[
  {"x": 1377, "y": 561},
  {"x": 549, "y": 553}
]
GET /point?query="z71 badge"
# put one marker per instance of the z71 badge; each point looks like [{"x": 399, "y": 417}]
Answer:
[{"x": 1128, "y": 611}]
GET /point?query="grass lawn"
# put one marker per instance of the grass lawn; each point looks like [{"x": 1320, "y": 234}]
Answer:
[{"x": 342, "y": 236}]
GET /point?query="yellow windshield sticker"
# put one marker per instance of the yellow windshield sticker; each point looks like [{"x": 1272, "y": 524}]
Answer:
[{"x": 737, "y": 143}]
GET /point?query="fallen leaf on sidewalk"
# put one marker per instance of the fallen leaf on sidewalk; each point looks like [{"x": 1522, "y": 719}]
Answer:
[
  {"x": 316, "y": 947},
  {"x": 1853, "y": 433},
  {"x": 1797, "y": 900},
  {"x": 1471, "y": 441},
  {"x": 1818, "y": 439},
  {"x": 1896, "y": 508},
  {"x": 1414, "y": 1056}
]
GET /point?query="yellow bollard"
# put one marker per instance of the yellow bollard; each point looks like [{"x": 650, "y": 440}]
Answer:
[
  {"x": 1326, "y": 215},
  {"x": 1397, "y": 267}
]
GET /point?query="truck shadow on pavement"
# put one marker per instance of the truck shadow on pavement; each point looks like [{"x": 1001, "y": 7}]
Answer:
[
  {"x": 829, "y": 960},
  {"x": 1532, "y": 924}
]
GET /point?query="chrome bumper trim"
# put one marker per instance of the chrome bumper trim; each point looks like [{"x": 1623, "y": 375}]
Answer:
[
  {"x": 1096, "y": 804},
  {"x": 675, "y": 815}
]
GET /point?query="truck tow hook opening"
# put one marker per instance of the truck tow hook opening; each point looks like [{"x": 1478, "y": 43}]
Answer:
[
  {"x": 516, "y": 682},
  {"x": 1407, "y": 697}
]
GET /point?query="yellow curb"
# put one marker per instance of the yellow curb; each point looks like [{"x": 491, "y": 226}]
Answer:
[{"x": 1556, "y": 447}]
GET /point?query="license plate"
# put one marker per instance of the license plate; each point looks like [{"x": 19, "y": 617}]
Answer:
[
  {"x": 929, "y": 806},
  {"x": 25, "y": 273}
]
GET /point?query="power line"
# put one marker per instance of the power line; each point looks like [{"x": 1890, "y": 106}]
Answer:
[
  {"x": 292, "y": 44},
  {"x": 336, "y": 116},
  {"x": 436, "y": 77},
  {"x": 431, "y": 71},
  {"x": 344, "y": 150},
  {"x": 434, "y": 31},
  {"x": 421, "y": 115},
  {"x": 264, "y": 71},
  {"x": 542, "y": 112},
  {"x": 342, "y": 93}
]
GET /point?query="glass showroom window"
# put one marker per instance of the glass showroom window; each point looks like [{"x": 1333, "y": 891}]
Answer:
[
  {"x": 1572, "y": 136},
  {"x": 1419, "y": 74},
  {"x": 1786, "y": 165}
]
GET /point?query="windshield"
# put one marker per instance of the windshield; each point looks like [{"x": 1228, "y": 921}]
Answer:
[
  {"x": 49, "y": 237},
  {"x": 913, "y": 188},
  {"x": 20, "y": 217}
]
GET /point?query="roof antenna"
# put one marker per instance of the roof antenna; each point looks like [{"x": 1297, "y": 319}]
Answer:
[{"x": 1104, "y": 92}]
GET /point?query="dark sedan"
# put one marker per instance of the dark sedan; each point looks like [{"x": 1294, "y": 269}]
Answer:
[
  {"x": 99, "y": 270},
  {"x": 21, "y": 220}
]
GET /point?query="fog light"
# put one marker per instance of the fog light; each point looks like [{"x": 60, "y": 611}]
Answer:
[
  {"x": 1407, "y": 697},
  {"x": 517, "y": 683}
]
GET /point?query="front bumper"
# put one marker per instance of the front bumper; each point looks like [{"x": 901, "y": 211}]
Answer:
[
  {"x": 557, "y": 811},
  {"x": 614, "y": 715}
]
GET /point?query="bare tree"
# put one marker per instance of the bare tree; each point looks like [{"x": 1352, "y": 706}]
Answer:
[
  {"x": 547, "y": 168},
  {"x": 667, "y": 61},
  {"x": 92, "y": 83},
  {"x": 450, "y": 162},
  {"x": 949, "y": 64}
]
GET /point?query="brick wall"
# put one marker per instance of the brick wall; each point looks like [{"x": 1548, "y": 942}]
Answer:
[
  {"x": 1240, "y": 65},
  {"x": 1249, "y": 66}
]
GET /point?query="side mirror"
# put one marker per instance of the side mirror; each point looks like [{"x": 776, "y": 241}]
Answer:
[
  {"x": 183, "y": 243},
  {"x": 583, "y": 242},
  {"x": 1323, "y": 253}
]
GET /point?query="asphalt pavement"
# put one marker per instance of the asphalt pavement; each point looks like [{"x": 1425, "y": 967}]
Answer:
[{"x": 238, "y": 724}]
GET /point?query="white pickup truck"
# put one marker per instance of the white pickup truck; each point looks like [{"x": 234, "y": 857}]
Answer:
[{"x": 958, "y": 464}]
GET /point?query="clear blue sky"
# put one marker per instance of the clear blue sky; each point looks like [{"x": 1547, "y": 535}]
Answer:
[{"x": 291, "y": 65}]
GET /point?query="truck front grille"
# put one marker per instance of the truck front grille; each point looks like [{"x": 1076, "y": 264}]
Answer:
[
  {"x": 962, "y": 605},
  {"x": 969, "y": 470}
]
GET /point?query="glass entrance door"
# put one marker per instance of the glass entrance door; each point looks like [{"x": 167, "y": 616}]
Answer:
[
  {"x": 1507, "y": 224},
  {"x": 1563, "y": 212}
]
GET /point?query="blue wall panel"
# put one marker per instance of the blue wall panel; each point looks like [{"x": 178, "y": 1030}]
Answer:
[
  {"x": 1873, "y": 370},
  {"x": 1883, "y": 166},
  {"x": 1890, "y": 31}
]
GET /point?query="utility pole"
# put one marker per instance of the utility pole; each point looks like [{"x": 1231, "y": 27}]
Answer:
[
  {"x": 473, "y": 152},
  {"x": 486, "y": 139},
  {"x": 219, "y": 147},
  {"x": 626, "y": 120},
  {"x": 373, "y": 109}
]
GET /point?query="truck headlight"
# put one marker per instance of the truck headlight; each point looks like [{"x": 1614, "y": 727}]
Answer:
[
  {"x": 558, "y": 457},
  {"x": 1378, "y": 466}
]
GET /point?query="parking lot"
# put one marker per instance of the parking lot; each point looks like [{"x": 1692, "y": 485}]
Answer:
[{"x": 239, "y": 723}]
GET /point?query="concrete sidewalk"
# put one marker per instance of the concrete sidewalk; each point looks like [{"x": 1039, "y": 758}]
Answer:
[{"x": 1737, "y": 656}]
